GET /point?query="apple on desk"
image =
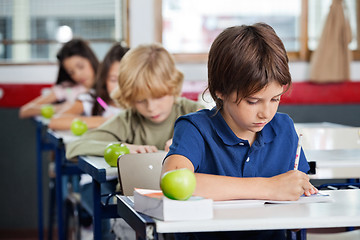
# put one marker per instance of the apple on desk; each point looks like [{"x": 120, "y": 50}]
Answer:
[
  {"x": 47, "y": 111},
  {"x": 113, "y": 151},
  {"x": 78, "y": 127},
  {"x": 178, "y": 184}
]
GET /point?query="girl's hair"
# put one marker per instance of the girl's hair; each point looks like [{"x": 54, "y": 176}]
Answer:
[
  {"x": 147, "y": 71},
  {"x": 115, "y": 54},
  {"x": 245, "y": 59},
  {"x": 75, "y": 47}
]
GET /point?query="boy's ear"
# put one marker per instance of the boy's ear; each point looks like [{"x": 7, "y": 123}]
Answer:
[{"x": 219, "y": 95}]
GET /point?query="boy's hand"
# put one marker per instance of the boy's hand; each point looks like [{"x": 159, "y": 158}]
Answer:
[
  {"x": 141, "y": 148},
  {"x": 290, "y": 186}
]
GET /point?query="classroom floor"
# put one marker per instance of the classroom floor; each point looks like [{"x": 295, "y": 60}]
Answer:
[
  {"x": 86, "y": 234},
  {"x": 19, "y": 234}
]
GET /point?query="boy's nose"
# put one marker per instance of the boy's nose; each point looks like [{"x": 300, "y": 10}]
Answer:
[
  {"x": 151, "y": 104},
  {"x": 264, "y": 112}
]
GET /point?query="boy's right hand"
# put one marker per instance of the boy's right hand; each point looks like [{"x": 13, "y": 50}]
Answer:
[
  {"x": 141, "y": 148},
  {"x": 291, "y": 185}
]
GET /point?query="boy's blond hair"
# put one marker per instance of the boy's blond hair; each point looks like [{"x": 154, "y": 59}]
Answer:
[{"x": 147, "y": 71}]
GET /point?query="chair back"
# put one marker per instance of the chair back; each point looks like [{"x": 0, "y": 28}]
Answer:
[{"x": 140, "y": 170}]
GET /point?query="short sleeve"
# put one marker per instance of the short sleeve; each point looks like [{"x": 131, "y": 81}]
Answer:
[
  {"x": 88, "y": 102},
  {"x": 188, "y": 142}
]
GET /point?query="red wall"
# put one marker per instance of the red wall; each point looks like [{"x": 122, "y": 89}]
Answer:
[{"x": 302, "y": 93}]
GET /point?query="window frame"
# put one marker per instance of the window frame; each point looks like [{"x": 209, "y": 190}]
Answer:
[
  {"x": 303, "y": 54},
  {"x": 126, "y": 34}
]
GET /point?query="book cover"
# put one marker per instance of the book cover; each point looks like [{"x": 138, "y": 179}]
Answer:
[{"x": 154, "y": 204}]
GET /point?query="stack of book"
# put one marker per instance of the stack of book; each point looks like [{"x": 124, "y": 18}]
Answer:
[{"x": 154, "y": 204}]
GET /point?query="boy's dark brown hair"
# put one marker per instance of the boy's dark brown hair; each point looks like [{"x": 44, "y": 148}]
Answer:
[{"x": 244, "y": 59}]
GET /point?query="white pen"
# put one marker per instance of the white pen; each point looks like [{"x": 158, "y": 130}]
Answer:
[{"x": 297, "y": 157}]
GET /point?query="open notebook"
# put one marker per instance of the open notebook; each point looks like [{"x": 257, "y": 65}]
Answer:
[{"x": 316, "y": 198}]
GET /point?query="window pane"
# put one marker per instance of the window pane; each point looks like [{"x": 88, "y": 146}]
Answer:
[
  {"x": 318, "y": 11},
  {"x": 191, "y": 26},
  {"x": 33, "y": 30}
]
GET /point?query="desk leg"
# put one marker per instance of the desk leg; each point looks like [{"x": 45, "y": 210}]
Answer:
[
  {"x": 298, "y": 235},
  {"x": 59, "y": 195},
  {"x": 39, "y": 180},
  {"x": 97, "y": 209}
]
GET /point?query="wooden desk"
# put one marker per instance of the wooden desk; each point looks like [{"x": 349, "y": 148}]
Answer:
[
  {"x": 63, "y": 167},
  {"x": 47, "y": 140},
  {"x": 330, "y": 138},
  {"x": 330, "y": 164},
  {"x": 335, "y": 164},
  {"x": 100, "y": 172},
  {"x": 319, "y": 125},
  {"x": 334, "y": 149},
  {"x": 343, "y": 212},
  {"x": 41, "y": 145}
]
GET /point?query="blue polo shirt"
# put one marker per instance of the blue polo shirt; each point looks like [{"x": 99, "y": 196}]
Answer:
[{"x": 208, "y": 142}]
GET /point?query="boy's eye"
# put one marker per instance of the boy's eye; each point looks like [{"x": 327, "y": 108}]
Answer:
[
  {"x": 276, "y": 99},
  {"x": 251, "y": 102},
  {"x": 140, "y": 101}
]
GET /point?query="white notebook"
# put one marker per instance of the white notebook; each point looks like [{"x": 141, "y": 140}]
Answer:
[{"x": 315, "y": 198}]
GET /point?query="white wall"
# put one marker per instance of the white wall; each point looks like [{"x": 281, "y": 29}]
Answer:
[
  {"x": 142, "y": 30},
  {"x": 193, "y": 72}
]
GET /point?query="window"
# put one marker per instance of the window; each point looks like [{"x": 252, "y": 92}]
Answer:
[
  {"x": 34, "y": 30},
  {"x": 318, "y": 11},
  {"x": 189, "y": 27}
]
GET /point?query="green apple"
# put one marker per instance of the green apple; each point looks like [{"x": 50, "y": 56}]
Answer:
[
  {"x": 113, "y": 151},
  {"x": 47, "y": 110},
  {"x": 78, "y": 127},
  {"x": 178, "y": 184}
]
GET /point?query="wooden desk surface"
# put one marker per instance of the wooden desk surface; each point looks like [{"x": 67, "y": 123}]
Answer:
[
  {"x": 64, "y": 136},
  {"x": 319, "y": 125},
  {"x": 330, "y": 138},
  {"x": 97, "y": 167},
  {"x": 343, "y": 212},
  {"x": 330, "y": 164},
  {"x": 335, "y": 164}
]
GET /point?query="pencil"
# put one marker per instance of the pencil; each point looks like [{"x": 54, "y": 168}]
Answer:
[
  {"x": 297, "y": 157},
  {"x": 102, "y": 103}
]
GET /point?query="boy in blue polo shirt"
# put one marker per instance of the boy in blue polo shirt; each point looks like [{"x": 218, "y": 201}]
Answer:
[{"x": 242, "y": 148}]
